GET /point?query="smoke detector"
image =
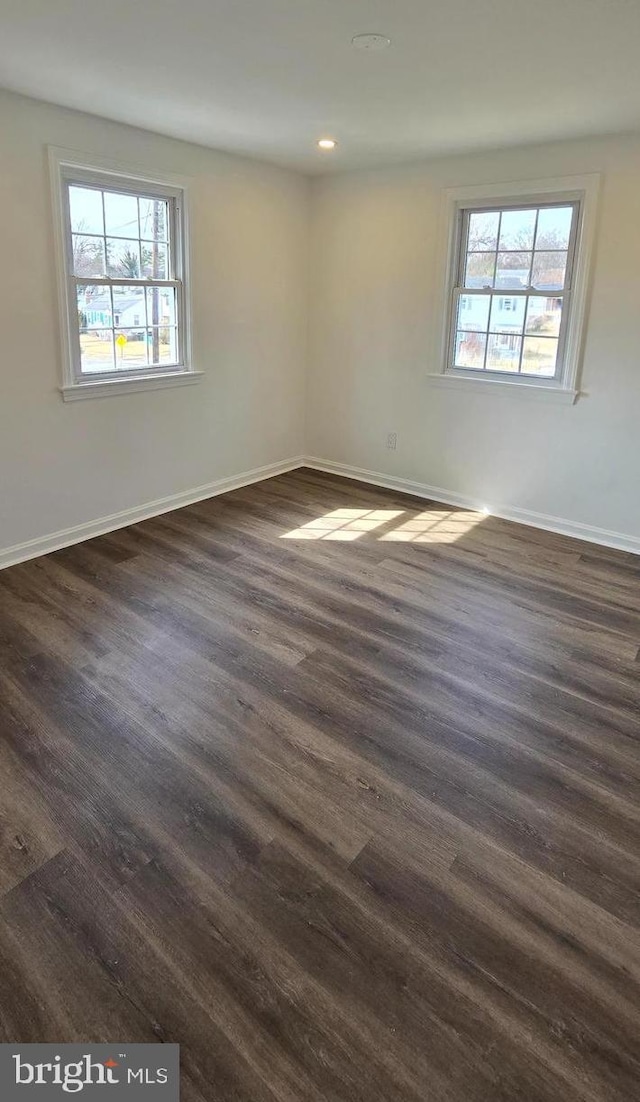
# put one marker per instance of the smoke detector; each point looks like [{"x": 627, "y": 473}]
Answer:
[{"x": 370, "y": 42}]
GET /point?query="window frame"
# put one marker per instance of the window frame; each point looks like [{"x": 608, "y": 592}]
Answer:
[
  {"x": 67, "y": 169},
  {"x": 500, "y": 293},
  {"x": 458, "y": 203}
]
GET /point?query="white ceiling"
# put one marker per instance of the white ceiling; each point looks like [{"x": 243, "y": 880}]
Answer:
[{"x": 268, "y": 77}]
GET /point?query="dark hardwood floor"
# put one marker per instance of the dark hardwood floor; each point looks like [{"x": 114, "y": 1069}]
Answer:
[{"x": 336, "y": 788}]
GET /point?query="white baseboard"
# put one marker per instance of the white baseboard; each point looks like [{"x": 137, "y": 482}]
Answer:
[
  {"x": 43, "y": 545},
  {"x": 619, "y": 540}
]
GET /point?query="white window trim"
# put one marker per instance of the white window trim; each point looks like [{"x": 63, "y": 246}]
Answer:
[
  {"x": 583, "y": 189},
  {"x": 63, "y": 165}
]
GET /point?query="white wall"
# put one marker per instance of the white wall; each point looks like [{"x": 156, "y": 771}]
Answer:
[
  {"x": 374, "y": 287},
  {"x": 63, "y": 465}
]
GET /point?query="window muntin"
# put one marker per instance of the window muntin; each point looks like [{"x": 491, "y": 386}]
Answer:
[
  {"x": 124, "y": 252},
  {"x": 512, "y": 289}
]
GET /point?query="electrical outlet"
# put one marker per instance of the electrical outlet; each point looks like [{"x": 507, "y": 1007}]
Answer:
[{"x": 392, "y": 440}]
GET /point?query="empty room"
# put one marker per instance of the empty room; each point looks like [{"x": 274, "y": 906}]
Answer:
[{"x": 320, "y": 550}]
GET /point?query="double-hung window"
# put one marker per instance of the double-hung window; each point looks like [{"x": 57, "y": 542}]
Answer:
[
  {"x": 122, "y": 255},
  {"x": 516, "y": 289},
  {"x": 527, "y": 251}
]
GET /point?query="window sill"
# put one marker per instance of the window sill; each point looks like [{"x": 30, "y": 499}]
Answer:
[
  {"x": 104, "y": 388},
  {"x": 503, "y": 387}
]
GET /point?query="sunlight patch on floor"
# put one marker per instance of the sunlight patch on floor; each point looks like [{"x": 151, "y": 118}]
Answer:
[
  {"x": 344, "y": 524},
  {"x": 434, "y": 526},
  {"x": 431, "y": 526}
]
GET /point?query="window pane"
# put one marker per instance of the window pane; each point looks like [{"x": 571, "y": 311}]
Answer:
[
  {"x": 121, "y": 215},
  {"x": 549, "y": 271},
  {"x": 123, "y": 259},
  {"x": 543, "y": 316},
  {"x": 161, "y": 306},
  {"x": 479, "y": 269},
  {"x": 483, "y": 231},
  {"x": 517, "y": 229},
  {"x": 503, "y": 352},
  {"x": 554, "y": 228},
  {"x": 470, "y": 350},
  {"x": 96, "y": 351},
  {"x": 507, "y": 314},
  {"x": 85, "y": 205},
  {"x": 154, "y": 260},
  {"x": 153, "y": 219},
  {"x": 513, "y": 270},
  {"x": 163, "y": 345},
  {"x": 129, "y": 307},
  {"x": 539, "y": 356},
  {"x": 94, "y": 307},
  {"x": 131, "y": 348},
  {"x": 88, "y": 255},
  {"x": 473, "y": 312}
]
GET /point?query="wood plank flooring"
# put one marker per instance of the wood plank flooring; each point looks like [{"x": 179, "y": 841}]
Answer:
[{"x": 336, "y": 788}]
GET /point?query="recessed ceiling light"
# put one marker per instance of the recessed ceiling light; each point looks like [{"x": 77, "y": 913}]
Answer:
[
  {"x": 327, "y": 143},
  {"x": 370, "y": 42}
]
